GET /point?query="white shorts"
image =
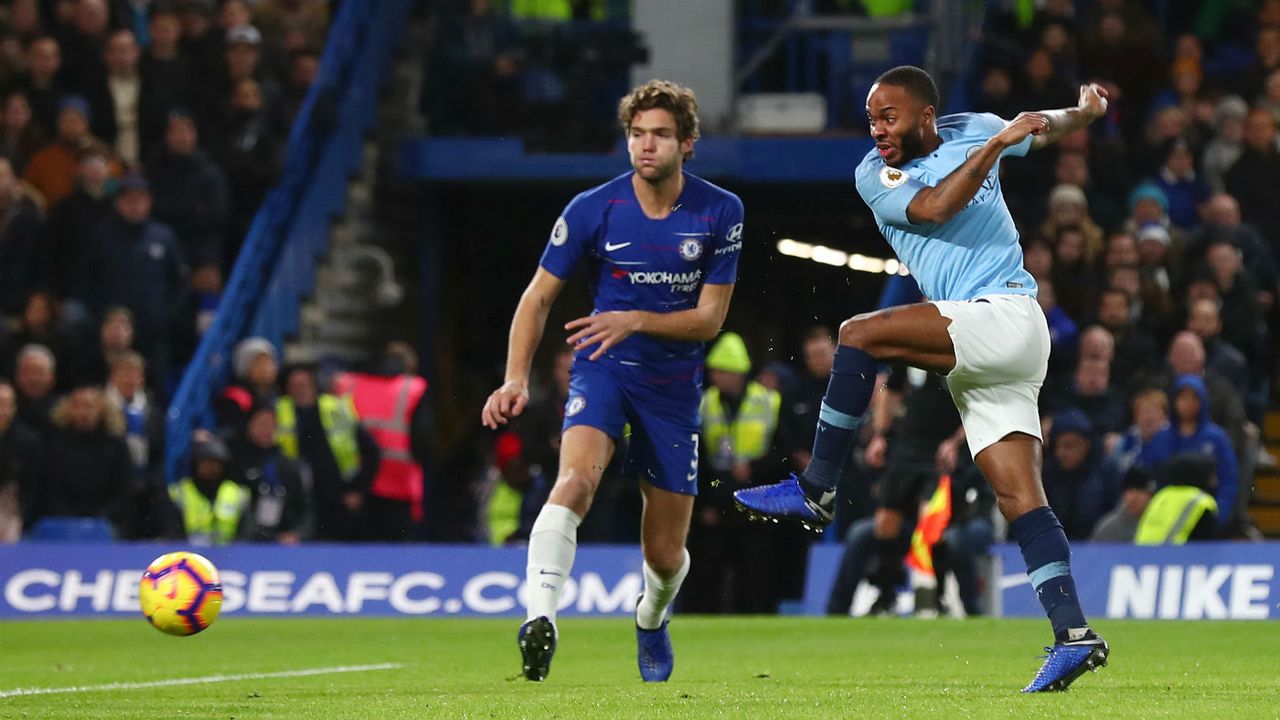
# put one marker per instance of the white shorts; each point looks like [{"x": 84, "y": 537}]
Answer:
[{"x": 1002, "y": 351}]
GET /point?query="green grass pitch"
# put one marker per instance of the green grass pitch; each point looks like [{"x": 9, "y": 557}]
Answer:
[{"x": 725, "y": 667}]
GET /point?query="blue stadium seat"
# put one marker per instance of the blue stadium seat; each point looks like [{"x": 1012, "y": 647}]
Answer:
[{"x": 72, "y": 529}]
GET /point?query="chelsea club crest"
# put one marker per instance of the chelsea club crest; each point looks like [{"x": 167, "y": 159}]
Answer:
[{"x": 690, "y": 249}]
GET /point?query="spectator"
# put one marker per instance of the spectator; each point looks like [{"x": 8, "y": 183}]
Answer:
[
  {"x": 115, "y": 339},
  {"x": 392, "y": 398},
  {"x": 278, "y": 505},
  {"x": 165, "y": 74},
  {"x": 1267, "y": 46},
  {"x": 322, "y": 431},
  {"x": 21, "y": 243},
  {"x": 22, "y": 136},
  {"x": 1227, "y": 144},
  {"x": 1193, "y": 432},
  {"x": 20, "y": 467},
  {"x": 1136, "y": 352},
  {"x": 1222, "y": 222},
  {"x": 115, "y": 98},
  {"x": 207, "y": 507},
  {"x": 1242, "y": 318},
  {"x": 1090, "y": 392},
  {"x": 298, "y": 22},
  {"x": 1068, "y": 208},
  {"x": 34, "y": 379},
  {"x": 1074, "y": 276},
  {"x": 1183, "y": 508},
  {"x": 739, "y": 421},
  {"x": 304, "y": 66},
  {"x": 41, "y": 324},
  {"x": 252, "y": 156},
  {"x": 201, "y": 310},
  {"x": 83, "y": 45},
  {"x": 1185, "y": 191},
  {"x": 1063, "y": 332},
  {"x": 1097, "y": 343},
  {"x": 52, "y": 170},
  {"x": 126, "y": 393},
  {"x": 87, "y": 468},
  {"x": 42, "y": 83},
  {"x": 203, "y": 48},
  {"x": 1269, "y": 100},
  {"x": 1150, "y": 410},
  {"x": 1221, "y": 358},
  {"x": 255, "y": 369},
  {"x": 190, "y": 191},
  {"x": 1121, "y": 524},
  {"x": 72, "y": 223},
  {"x": 1251, "y": 178},
  {"x": 1149, "y": 205},
  {"x": 471, "y": 85},
  {"x": 1153, "y": 258},
  {"x": 135, "y": 262},
  {"x": 1072, "y": 477},
  {"x": 243, "y": 62}
]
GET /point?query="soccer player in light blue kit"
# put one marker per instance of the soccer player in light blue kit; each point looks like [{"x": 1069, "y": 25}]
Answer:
[
  {"x": 933, "y": 186},
  {"x": 661, "y": 248}
]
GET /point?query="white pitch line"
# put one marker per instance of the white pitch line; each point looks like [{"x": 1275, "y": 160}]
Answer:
[{"x": 199, "y": 680}]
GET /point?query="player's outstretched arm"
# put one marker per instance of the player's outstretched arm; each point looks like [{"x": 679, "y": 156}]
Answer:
[
  {"x": 527, "y": 327},
  {"x": 703, "y": 322},
  {"x": 1092, "y": 105}
]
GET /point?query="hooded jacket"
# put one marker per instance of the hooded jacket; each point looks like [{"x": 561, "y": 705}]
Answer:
[
  {"x": 1077, "y": 496},
  {"x": 1207, "y": 439}
]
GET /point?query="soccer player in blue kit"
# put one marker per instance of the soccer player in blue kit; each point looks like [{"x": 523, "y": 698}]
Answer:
[
  {"x": 661, "y": 248},
  {"x": 933, "y": 185}
]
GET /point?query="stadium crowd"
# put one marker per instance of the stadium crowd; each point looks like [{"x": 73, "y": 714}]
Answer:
[{"x": 137, "y": 140}]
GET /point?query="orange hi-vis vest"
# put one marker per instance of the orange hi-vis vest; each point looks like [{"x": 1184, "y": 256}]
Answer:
[{"x": 385, "y": 406}]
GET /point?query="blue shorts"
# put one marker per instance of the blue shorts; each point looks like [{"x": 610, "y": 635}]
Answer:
[{"x": 662, "y": 407}]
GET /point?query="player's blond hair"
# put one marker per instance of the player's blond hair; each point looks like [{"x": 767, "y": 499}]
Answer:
[{"x": 665, "y": 95}]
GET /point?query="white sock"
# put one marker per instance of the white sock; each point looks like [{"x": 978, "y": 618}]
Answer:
[
  {"x": 658, "y": 594},
  {"x": 552, "y": 544}
]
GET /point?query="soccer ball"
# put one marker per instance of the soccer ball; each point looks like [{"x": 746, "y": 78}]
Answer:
[{"x": 181, "y": 593}]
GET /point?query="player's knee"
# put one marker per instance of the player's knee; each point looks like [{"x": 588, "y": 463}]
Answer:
[
  {"x": 664, "y": 558},
  {"x": 857, "y": 332},
  {"x": 575, "y": 487},
  {"x": 1014, "y": 505}
]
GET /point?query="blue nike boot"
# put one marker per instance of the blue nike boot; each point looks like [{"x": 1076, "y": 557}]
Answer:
[
  {"x": 537, "y": 645},
  {"x": 786, "y": 500},
  {"x": 1067, "y": 661},
  {"x": 653, "y": 652}
]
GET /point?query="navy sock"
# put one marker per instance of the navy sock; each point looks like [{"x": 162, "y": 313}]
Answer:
[
  {"x": 1044, "y": 547},
  {"x": 853, "y": 378}
]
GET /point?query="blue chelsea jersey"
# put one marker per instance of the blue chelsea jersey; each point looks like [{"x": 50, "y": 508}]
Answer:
[
  {"x": 637, "y": 263},
  {"x": 975, "y": 253}
]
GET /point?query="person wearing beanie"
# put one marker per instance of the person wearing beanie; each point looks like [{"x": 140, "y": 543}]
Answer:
[
  {"x": 52, "y": 170},
  {"x": 255, "y": 368},
  {"x": 207, "y": 507},
  {"x": 1072, "y": 477},
  {"x": 738, "y": 568}
]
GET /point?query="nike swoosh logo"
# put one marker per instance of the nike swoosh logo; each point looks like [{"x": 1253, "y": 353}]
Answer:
[
  {"x": 610, "y": 247},
  {"x": 550, "y": 572}
]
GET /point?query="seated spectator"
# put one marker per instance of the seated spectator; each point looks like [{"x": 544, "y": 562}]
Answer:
[
  {"x": 1153, "y": 258},
  {"x": 242, "y": 61},
  {"x": 41, "y": 324},
  {"x": 21, "y": 456},
  {"x": 165, "y": 75},
  {"x": 277, "y": 499},
  {"x": 1241, "y": 315},
  {"x": 52, "y": 170},
  {"x": 87, "y": 472},
  {"x": 1150, "y": 409},
  {"x": 1136, "y": 353},
  {"x": 1191, "y": 431},
  {"x": 1252, "y": 177},
  {"x": 42, "y": 82},
  {"x": 1222, "y": 222},
  {"x": 72, "y": 223},
  {"x": 126, "y": 393},
  {"x": 135, "y": 262},
  {"x": 115, "y": 339},
  {"x": 255, "y": 370},
  {"x": 189, "y": 191},
  {"x": 304, "y": 65},
  {"x": 1072, "y": 481},
  {"x": 1227, "y": 144},
  {"x": 34, "y": 378},
  {"x": 1185, "y": 190},
  {"x": 20, "y": 135},
  {"x": 472, "y": 83},
  {"x": 21, "y": 243},
  {"x": 1184, "y": 507},
  {"x": 1121, "y": 524},
  {"x": 202, "y": 308},
  {"x": 1068, "y": 208},
  {"x": 1074, "y": 274},
  {"x": 1149, "y": 205},
  {"x": 1221, "y": 358},
  {"x": 207, "y": 507},
  {"x": 1090, "y": 391},
  {"x": 83, "y": 40},
  {"x": 1063, "y": 333},
  {"x": 323, "y": 431}
]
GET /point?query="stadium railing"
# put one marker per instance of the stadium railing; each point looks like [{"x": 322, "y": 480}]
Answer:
[{"x": 276, "y": 266}]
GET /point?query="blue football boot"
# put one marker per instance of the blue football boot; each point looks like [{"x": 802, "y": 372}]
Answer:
[
  {"x": 537, "y": 645},
  {"x": 654, "y": 653},
  {"x": 786, "y": 500},
  {"x": 1068, "y": 661}
]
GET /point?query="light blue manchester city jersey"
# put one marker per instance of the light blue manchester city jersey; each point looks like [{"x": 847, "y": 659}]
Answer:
[{"x": 976, "y": 253}]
